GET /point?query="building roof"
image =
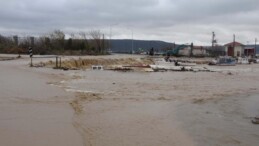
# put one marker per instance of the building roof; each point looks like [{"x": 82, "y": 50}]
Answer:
[{"x": 236, "y": 44}]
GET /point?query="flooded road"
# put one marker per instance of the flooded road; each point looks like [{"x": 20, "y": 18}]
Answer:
[{"x": 32, "y": 113}]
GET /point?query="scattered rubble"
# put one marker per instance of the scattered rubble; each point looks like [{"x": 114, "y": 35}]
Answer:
[{"x": 255, "y": 120}]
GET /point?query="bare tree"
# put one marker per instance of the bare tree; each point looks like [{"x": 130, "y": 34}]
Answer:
[
  {"x": 58, "y": 39},
  {"x": 72, "y": 36},
  {"x": 95, "y": 36},
  {"x": 99, "y": 42},
  {"x": 57, "y": 34},
  {"x": 83, "y": 37},
  {"x": 5, "y": 43}
]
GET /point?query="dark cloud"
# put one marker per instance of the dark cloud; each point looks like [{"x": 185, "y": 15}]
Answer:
[{"x": 169, "y": 20}]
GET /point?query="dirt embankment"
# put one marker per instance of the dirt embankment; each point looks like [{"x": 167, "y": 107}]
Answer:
[{"x": 105, "y": 62}]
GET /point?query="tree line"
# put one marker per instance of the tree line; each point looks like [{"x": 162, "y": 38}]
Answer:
[{"x": 82, "y": 43}]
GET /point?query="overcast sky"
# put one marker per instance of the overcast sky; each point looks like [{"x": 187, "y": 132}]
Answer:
[{"x": 180, "y": 21}]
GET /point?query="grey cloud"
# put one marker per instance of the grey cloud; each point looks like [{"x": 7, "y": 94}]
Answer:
[{"x": 170, "y": 20}]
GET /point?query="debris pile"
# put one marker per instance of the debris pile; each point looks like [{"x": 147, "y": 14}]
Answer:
[
  {"x": 80, "y": 63},
  {"x": 255, "y": 120}
]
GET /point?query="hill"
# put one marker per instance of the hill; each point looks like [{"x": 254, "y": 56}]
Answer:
[{"x": 126, "y": 45}]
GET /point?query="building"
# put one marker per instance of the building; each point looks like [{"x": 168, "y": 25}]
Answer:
[
  {"x": 216, "y": 51},
  {"x": 249, "y": 51},
  {"x": 199, "y": 51},
  {"x": 252, "y": 47},
  {"x": 234, "y": 49},
  {"x": 196, "y": 51}
]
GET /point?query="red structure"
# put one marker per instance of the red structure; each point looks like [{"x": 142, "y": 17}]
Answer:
[{"x": 249, "y": 51}]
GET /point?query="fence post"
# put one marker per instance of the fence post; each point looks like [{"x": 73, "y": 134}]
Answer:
[
  {"x": 60, "y": 62},
  {"x": 31, "y": 62},
  {"x": 56, "y": 61}
]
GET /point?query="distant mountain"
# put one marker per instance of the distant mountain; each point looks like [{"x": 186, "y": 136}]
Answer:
[{"x": 126, "y": 46}]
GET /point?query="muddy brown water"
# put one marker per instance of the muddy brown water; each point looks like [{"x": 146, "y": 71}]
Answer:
[
  {"x": 161, "y": 109},
  {"x": 132, "y": 108},
  {"x": 224, "y": 122},
  {"x": 32, "y": 113}
]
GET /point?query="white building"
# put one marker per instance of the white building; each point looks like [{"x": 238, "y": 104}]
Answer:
[{"x": 234, "y": 49}]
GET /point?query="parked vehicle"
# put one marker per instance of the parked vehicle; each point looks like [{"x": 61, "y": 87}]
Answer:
[{"x": 175, "y": 52}]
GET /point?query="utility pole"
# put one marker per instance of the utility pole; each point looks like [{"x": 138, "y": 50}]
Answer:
[
  {"x": 103, "y": 45},
  {"x": 213, "y": 40},
  {"x": 110, "y": 41},
  {"x": 234, "y": 40},
  {"x": 255, "y": 47},
  {"x": 110, "y": 38},
  {"x": 132, "y": 41},
  {"x": 191, "y": 53}
]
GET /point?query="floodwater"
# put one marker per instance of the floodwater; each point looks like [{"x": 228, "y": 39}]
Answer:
[
  {"x": 32, "y": 113},
  {"x": 105, "y": 108},
  {"x": 161, "y": 109},
  {"x": 131, "y": 111},
  {"x": 221, "y": 122}
]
